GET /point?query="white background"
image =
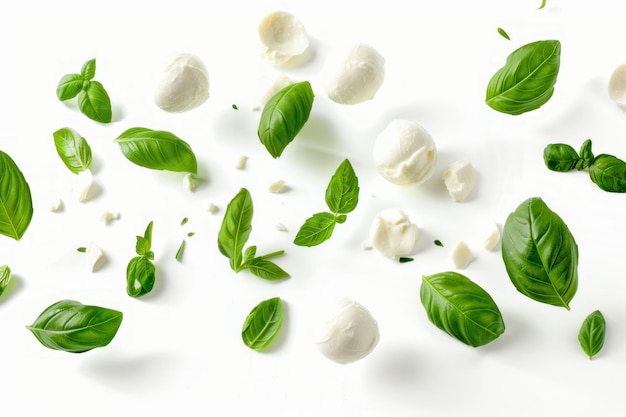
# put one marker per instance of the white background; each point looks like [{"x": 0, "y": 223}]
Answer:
[{"x": 179, "y": 349}]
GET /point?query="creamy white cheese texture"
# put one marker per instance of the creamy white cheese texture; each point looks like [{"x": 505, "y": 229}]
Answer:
[
  {"x": 405, "y": 153},
  {"x": 282, "y": 36},
  {"x": 492, "y": 238},
  {"x": 462, "y": 255},
  {"x": 460, "y": 179},
  {"x": 350, "y": 334},
  {"x": 393, "y": 234},
  {"x": 617, "y": 85},
  {"x": 280, "y": 81},
  {"x": 359, "y": 76},
  {"x": 95, "y": 256},
  {"x": 83, "y": 185},
  {"x": 184, "y": 84}
]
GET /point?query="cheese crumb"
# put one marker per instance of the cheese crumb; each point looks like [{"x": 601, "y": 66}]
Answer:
[
  {"x": 83, "y": 186},
  {"x": 189, "y": 182},
  {"x": 462, "y": 255},
  {"x": 95, "y": 256},
  {"x": 56, "y": 206},
  {"x": 108, "y": 216},
  {"x": 493, "y": 238},
  {"x": 241, "y": 164},
  {"x": 281, "y": 227},
  {"x": 460, "y": 180},
  {"x": 212, "y": 208},
  {"x": 277, "y": 186}
]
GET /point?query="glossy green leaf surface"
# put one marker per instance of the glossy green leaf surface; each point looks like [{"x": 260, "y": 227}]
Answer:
[
  {"x": 266, "y": 269},
  {"x": 94, "y": 102},
  {"x": 16, "y": 205},
  {"x": 88, "y": 71},
  {"x": 140, "y": 276},
  {"x": 342, "y": 193},
  {"x": 316, "y": 229},
  {"x": 560, "y": 157},
  {"x": 540, "y": 254},
  {"x": 69, "y": 86},
  {"x": 263, "y": 323},
  {"x": 73, "y": 149},
  {"x": 5, "y": 277},
  {"x": 70, "y": 326},
  {"x": 592, "y": 333},
  {"x": 461, "y": 308},
  {"x": 608, "y": 173},
  {"x": 236, "y": 228}
]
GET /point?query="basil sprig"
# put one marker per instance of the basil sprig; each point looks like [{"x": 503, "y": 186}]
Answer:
[
  {"x": 141, "y": 272},
  {"x": 527, "y": 79},
  {"x": 70, "y": 326},
  {"x": 461, "y": 308},
  {"x": 342, "y": 196},
  {"x": 540, "y": 254},
  {"x": 157, "y": 149},
  {"x": 73, "y": 149},
  {"x": 5, "y": 277},
  {"x": 284, "y": 115},
  {"x": 233, "y": 235},
  {"x": 591, "y": 334},
  {"x": 16, "y": 204},
  {"x": 93, "y": 99},
  {"x": 263, "y": 323}
]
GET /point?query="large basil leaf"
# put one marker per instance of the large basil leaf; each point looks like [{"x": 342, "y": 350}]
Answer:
[
  {"x": 592, "y": 333},
  {"x": 609, "y": 173},
  {"x": 316, "y": 229},
  {"x": 16, "y": 204},
  {"x": 73, "y": 149},
  {"x": 140, "y": 276},
  {"x": 284, "y": 115},
  {"x": 526, "y": 81},
  {"x": 157, "y": 149},
  {"x": 461, "y": 308},
  {"x": 74, "y": 327},
  {"x": 236, "y": 228},
  {"x": 94, "y": 102},
  {"x": 263, "y": 323},
  {"x": 540, "y": 254},
  {"x": 342, "y": 193}
]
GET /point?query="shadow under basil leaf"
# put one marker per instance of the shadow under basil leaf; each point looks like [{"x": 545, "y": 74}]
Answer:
[{"x": 14, "y": 286}]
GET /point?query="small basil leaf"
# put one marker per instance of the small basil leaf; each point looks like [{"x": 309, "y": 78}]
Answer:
[
  {"x": 249, "y": 254},
  {"x": 140, "y": 276},
  {"x": 461, "y": 308},
  {"x": 592, "y": 333},
  {"x": 342, "y": 193},
  {"x": 265, "y": 269},
  {"x": 179, "y": 252},
  {"x": 503, "y": 33},
  {"x": 16, "y": 204},
  {"x": 315, "y": 230},
  {"x": 236, "y": 228},
  {"x": 586, "y": 156},
  {"x": 73, "y": 149},
  {"x": 527, "y": 79},
  {"x": 543, "y": 4},
  {"x": 88, "y": 71},
  {"x": 69, "y": 86},
  {"x": 560, "y": 157},
  {"x": 70, "y": 326},
  {"x": 5, "y": 277},
  {"x": 94, "y": 102},
  {"x": 157, "y": 149},
  {"x": 144, "y": 243},
  {"x": 540, "y": 254},
  {"x": 263, "y": 324},
  {"x": 608, "y": 173},
  {"x": 284, "y": 115}
]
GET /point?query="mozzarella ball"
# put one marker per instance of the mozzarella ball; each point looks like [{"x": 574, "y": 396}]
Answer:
[
  {"x": 184, "y": 84},
  {"x": 282, "y": 37},
  {"x": 359, "y": 76},
  {"x": 617, "y": 85}
]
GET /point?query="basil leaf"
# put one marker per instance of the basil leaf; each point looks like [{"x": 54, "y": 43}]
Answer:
[
  {"x": 157, "y": 149},
  {"x": 560, "y": 157},
  {"x": 69, "y": 86},
  {"x": 540, "y": 254},
  {"x": 592, "y": 333},
  {"x": 263, "y": 323},
  {"x": 461, "y": 308},
  {"x": 88, "y": 71},
  {"x": 140, "y": 276},
  {"x": 74, "y": 327},
  {"x": 586, "y": 156},
  {"x": 503, "y": 33},
  {"x": 265, "y": 269},
  {"x": 526, "y": 81},
  {"x": 5, "y": 277},
  {"x": 16, "y": 204},
  {"x": 179, "y": 252},
  {"x": 236, "y": 228},
  {"x": 315, "y": 230},
  {"x": 342, "y": 193},
  {"x": 284, "y": 115},
  {"x": 73, "y": 149},
  {"x": 543, "y": 4},
  {"x": 608, "y": 173},
  {"x": 94, "y": 102},
  {"x": 144, "y": 243},
  {"x": 249, "y": 254}
]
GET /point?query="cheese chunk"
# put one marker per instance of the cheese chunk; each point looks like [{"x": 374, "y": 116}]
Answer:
[
  {"x": 460, "y": 180},
  {"x": 282, "y": 36},
  {"x": 462, "y": 255},
  {"x": 393, "y": 234}
]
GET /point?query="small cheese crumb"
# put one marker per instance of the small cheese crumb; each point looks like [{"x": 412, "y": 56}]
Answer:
[
  {"x": 95, "y": 256},
  {"x": 493, "y": 238},
  {"x": 56, "y": 206},
  {"x": 83, "y": 187},
  {"x": 281, "y": 227},
  {"x": 212, "y": 208},
  {"x": 108, "y": 216},
  {"x": 189, "y": 182},
  {"x": 241, "y": 164},
  {"x": 367, "y": 245},
  {"x": 277, "y": 186},
  {"x": 462, "y": 255}
]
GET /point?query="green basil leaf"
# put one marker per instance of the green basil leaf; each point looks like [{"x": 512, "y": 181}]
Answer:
[
  {"x": 540, "y": 254},
  {"x": 144, "y": 243},
  {"x": 157, "y": 149},
  {"x": 265, "y": 269},
  {"x": 608, "y": 173},
  {"x": 586, "y": 156},
  {"x": 236, "y": 228},
  {"x": 73, "y": 149},
  {"x": 461, "y": 308},
  {"x": 284, "y": 115},
  {"x": 543, "y": 4},
  {"x": 249, "y": 254},
  {"x": 560, "y": 157},
  {"x": 179, "y": 252},
  {"x": 263, "y": 323},
  {"x": 69, "y": 86},
  {"x": 94, "y": 102},
  {"x": 315, "y": 230},
  {"x": 503, "y": 33},
  {"x": 342, "y": 193},
  {"x": 5, "y": 277},
  {"x": 74, "y": 327},
  {"x": 88, "y": 71},
  {"x": 140, "y": 276},
  {"x": 592, "y": 333},
  {"x": 526, "y": 81},
  {"x": 16, "y": 204}
]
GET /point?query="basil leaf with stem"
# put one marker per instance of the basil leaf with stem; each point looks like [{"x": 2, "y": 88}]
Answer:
[
  {"x": 144, "y": 243},
  {"x": 461, "y": 308},
  {"x": 88, "y": 71},
  {"x": 5, "y": 277},
  {"x": 140, "y": 276},
  {"x": 73, "y": 149},
  {"x": 586, "y": 156},
  {"x": 16, "y": 204},
  {"x": 157, "y": 149},
  {"x": 591, "y": 334},
  {"x": 342, "y": 193},
  {"x": 284, "y": 115},
  {"x": 527, "y": 79},
  {"x": 540, "y": 254},
  {"x": 69, "y": 86},
  {"x": 560, "y": 157},
  {"x": 94, "y": 102},
  {"x": 265, "y": 269},
  {"x": 263, "y": 323},
  {"x": 70, "y": 326},
  {"x": 609, "y": 173},
  {"x": 316, "y": 229},
  {"x": 503, "y": 33}
]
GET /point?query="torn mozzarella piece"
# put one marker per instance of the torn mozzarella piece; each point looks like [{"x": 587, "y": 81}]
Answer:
[
  {"x": 108, "y": 216},
  {"x": 282, "y": 36},
  {"x": 405, "y": 153},
  {"x": 241, "y": 163},
  {"x": 493, "y": 238},
  {"x": 350, "y": 333},
  {"x": 83, "y": 185},
  {"x": 189, "y": 182},
  {"x": 56, "y": 205},
  {"x": 359, "y": 76},
  {"x": 281, "y": 81},
  {"x": 393, "y": 234},
  {"x": 462, "y": 255},
  {"x": 617, "y": 85},
  {"x": 184, "y": 85},
  {"x": 277, "y": 186},
  {"x": 95, "y": 256},
  {"x": 460, "y": 180}
]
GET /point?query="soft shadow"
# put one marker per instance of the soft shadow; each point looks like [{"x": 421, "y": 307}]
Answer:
[
  {"x": 117, "y": 113},
  {"x": 15, "y": 285},
  {"x": 318, "y": 132}
]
